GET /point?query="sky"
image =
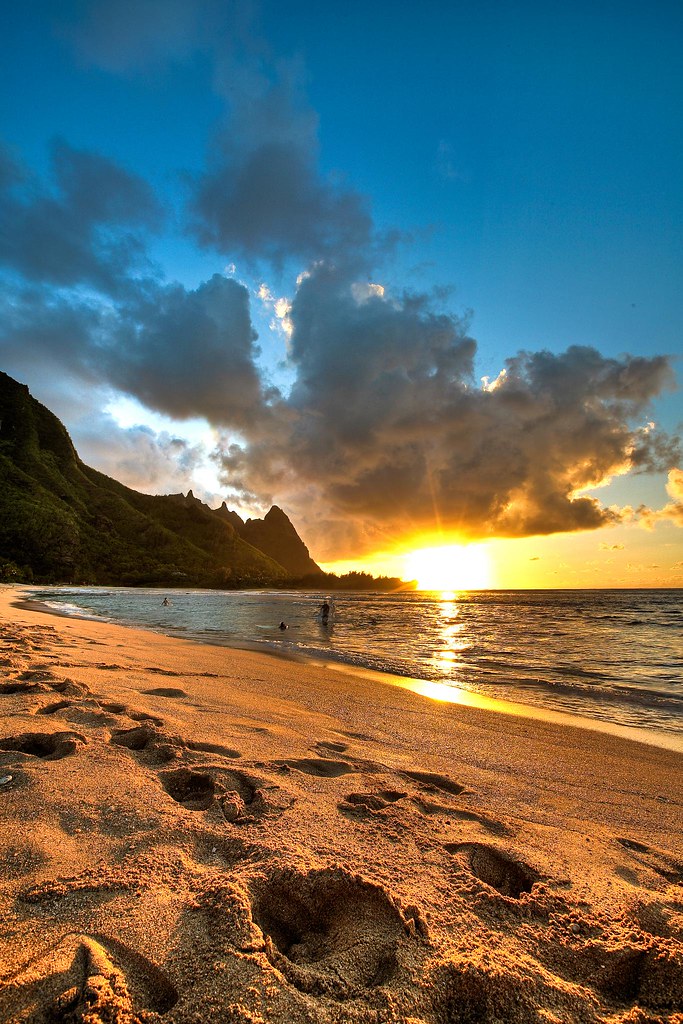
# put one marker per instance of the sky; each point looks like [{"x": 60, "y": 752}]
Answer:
[{"x": 414, "y": 275}]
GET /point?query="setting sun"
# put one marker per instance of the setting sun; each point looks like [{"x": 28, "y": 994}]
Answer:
[{"x": 450, "y": 567}]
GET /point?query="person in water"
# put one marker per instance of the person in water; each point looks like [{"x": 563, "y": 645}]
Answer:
[
  {"x": 165, "y": 602},
  {"x": 325, "y": 611},
  {"x": 283, "y": 625}
]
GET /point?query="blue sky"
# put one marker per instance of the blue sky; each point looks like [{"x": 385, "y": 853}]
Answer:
[{"x": 508, "y": 174}]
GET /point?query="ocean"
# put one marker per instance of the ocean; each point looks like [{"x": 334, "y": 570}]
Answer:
[{"x": 614, "y": 656}]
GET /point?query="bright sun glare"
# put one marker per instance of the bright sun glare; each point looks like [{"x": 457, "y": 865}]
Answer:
[{"x": 451, "y": 567}]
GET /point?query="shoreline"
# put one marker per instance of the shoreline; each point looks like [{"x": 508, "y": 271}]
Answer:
[
  {"x": 192, "y": 833},
  {"x": 429, "y": 689}
]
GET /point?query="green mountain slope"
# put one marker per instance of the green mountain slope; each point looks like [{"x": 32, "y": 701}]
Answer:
[{"x": 61, "y": 521}]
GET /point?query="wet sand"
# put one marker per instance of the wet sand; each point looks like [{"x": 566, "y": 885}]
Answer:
[{"x": 194, "y": 834}]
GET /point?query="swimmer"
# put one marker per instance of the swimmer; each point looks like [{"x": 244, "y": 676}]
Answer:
[
  {"x": 165, "y": 602},
  {"x": 282, "y": 626}
]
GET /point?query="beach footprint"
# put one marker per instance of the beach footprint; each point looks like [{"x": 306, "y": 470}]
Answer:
[
  {"x": 496, "y": 869},
  {"x": 321, "y": 767},
  {"x": 433, "y": 782},
  {"x": 661, "y": 862},
  {"x": 431, "y": 807},
  {"x": 172, "y": 692},
  {"x": 87, "y": 978},
  {"x": 330, "y": 932},
  {"x": 163, "y": 747},
  {"x": 372, "y": 801},
  {"x": 51, "y": 746},
  {"x": 242, "y": 799}
]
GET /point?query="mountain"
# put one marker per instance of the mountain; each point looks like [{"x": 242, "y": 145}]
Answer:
[
  {"x": 61, "y": 521},
  {"x": 274, "y": 535}
]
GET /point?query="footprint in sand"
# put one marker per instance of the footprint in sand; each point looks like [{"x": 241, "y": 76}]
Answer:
[
  {"x": 650, "y": 975},
  {"x": 431, "y": 781},
  {"x": 330, "y": 932},
  {"x": 157, "y": 746},
  {"x": 465, "y": 992},
  {"x": 162, "y": 747},
  {"x": 47, "y": 746},
  {"x": 376, "y": 801},
  {"x": 85, "y": 712},
  {"x": 324, "y": 745},
  {"x": 324, "y": 767},
  {"x": 429, "y": 807},
  {"x": 321, "y": 767},
  {"x": 22, "y": 686},
  {"x": 38, "y": 675},
  {"x": 116, "y": 708},
  {"x": 496, "y": 869},
  {"x": 211, "y": 748},
  {"x": 87, "y": 978},
  {"x": 662, "y": 863},
  {"x": 194, "y": 790},
  {"x": 165, "y": 691},
  {"x": 241, "y": 798},
  {"x": 52, "y": 709},
  {"x": 143, "y": 716},
  {"x": 33, "y": 685}
]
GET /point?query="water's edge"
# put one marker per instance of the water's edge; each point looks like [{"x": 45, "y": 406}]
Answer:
[{"x": 429, "y": 689}]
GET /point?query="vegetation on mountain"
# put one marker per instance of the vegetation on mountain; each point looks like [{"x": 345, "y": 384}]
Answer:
[
  {"x": 61, "y": 521},
  {"x": 64, "y": 522}
]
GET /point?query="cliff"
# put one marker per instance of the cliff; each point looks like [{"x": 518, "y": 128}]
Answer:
[{"x": 62, "y": 521}]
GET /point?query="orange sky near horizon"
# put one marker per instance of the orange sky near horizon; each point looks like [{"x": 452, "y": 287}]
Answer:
[{"x": 626, "y": 556}]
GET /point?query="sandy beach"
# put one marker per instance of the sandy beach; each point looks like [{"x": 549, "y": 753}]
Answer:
[{"x": 196, "y": 834}]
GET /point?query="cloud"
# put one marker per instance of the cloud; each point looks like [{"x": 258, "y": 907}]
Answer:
[
  {"x": 671, "y": 512},
  {"x": 86, "y": 230},
  {"x": 149, "y": 461},
  {"x": 182, "y": 352},
  {"x": 188, "y": 352},
  {"x": 263, "y": 196},
  {"x": 131, "y": 35},
  {"x": 611, "y": 547},
  {"x": 387, "y": 428}
]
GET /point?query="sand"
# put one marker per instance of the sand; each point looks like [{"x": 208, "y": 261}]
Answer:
[{"x": 198, "y": 834}]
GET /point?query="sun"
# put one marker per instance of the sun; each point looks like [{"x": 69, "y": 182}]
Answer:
[{"x": 450, "y": 567}]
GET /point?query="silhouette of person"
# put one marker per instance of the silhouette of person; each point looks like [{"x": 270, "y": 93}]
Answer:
[{"x": 283, "y": 625}]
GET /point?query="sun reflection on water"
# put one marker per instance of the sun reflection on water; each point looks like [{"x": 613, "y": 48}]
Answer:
[{"x": 449, "y": 657}]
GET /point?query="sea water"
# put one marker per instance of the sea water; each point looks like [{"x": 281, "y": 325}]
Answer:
[{"x": 612, "y": 655}]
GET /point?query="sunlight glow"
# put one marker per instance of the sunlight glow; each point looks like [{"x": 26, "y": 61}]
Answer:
[{"x": 449, "y": 568}]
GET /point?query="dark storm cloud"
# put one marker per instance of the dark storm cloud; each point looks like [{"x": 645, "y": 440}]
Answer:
[
  {"x": 86, "y": 230},
  {"x": 73, "y": 299},
  {"x": 182, "y": 352},
  {"x": 189, "y": 353},
  {"x": 387, "y": 426},
  {"x": 272, "y": 204},
  {"x": 263, "y": 196}
]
